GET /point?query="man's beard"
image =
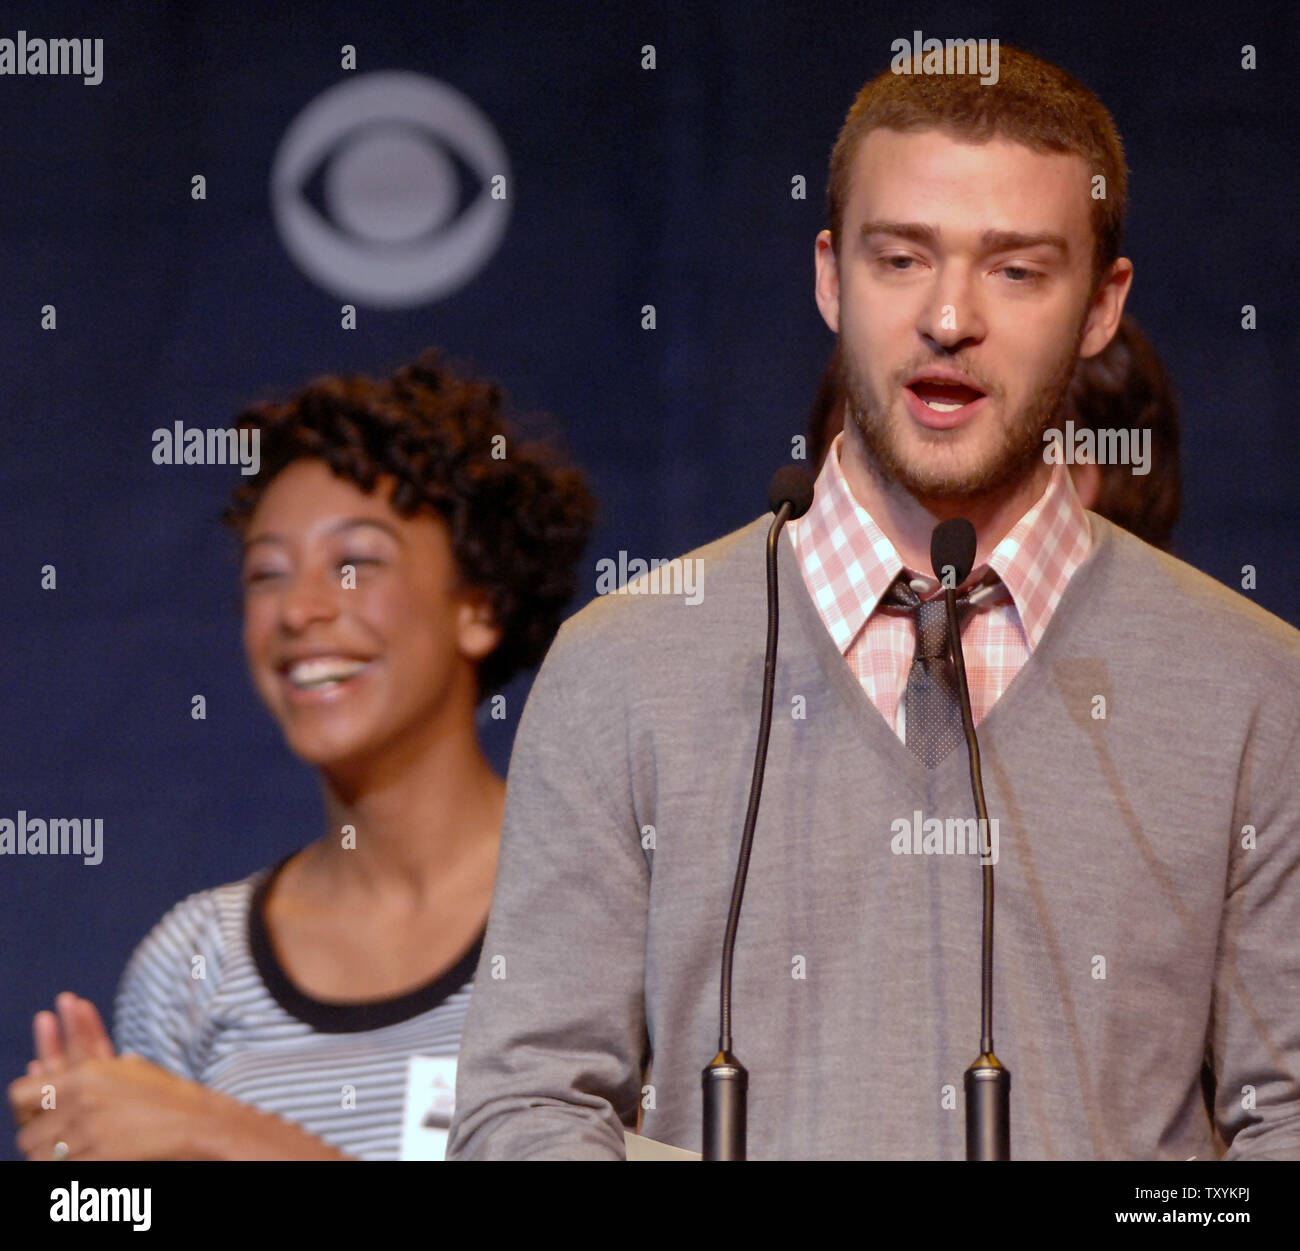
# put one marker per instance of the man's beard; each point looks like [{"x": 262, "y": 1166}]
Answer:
[{"x": 1016, "y": 452}]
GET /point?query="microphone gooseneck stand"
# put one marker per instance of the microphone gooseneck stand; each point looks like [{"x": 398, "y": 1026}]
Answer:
[
  {"x": 987, "y": 1080},
  {"x": 725, "y": 1080}
]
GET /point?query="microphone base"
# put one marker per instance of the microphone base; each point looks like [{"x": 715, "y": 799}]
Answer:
[
  {"x": 726, "y": 1085},
  {"x": 988, "y": 1109}
]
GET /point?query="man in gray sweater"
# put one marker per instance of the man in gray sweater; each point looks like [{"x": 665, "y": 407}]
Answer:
[{"x": 1139, "y": 727}]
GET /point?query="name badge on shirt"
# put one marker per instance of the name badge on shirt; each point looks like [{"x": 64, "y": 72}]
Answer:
[{"x": 430, "y": 1101}]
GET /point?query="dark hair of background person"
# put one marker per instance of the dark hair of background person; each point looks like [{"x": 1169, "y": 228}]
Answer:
[
  {"x": 1125, "y": 386},
  {"x": 518, "y": 520}
]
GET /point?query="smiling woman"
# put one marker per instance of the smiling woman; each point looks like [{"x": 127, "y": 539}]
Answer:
[{"x": 403, "y": 559}]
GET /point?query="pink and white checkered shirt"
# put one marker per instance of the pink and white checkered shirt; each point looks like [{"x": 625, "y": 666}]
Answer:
[{"x": 848, "y": 564}]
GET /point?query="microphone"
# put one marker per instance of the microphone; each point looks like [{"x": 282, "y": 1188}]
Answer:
[
  {"x": 952, "y": 549},
  {"x": 987, "y": 1081},
  {"x": 725, "y": 1080},
  {"x": 790, "y": 485}
]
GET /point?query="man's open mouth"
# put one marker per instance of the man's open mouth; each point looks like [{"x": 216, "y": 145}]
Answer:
[{"x": 944, "y": 397}]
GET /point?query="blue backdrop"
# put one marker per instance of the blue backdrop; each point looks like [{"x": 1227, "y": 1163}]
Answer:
[{"x": 626, "y": 186}]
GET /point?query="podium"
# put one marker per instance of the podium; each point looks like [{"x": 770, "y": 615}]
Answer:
[{"x": 640, "y": 1148}]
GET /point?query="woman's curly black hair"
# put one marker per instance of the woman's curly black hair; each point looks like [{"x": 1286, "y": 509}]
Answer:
[{"x": 518, "y": 519}]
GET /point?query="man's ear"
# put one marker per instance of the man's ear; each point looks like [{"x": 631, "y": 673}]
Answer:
[
  {"x": 477, "y": 632},
  {"x": 1106, "y": 307},
  {"x": 826, "y": 288}
]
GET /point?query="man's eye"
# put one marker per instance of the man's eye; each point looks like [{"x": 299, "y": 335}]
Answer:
[
  {"x": 1029, "y": 275},
  {"x": 891, "y": 262},
  {"x": 259, "y": 575}
]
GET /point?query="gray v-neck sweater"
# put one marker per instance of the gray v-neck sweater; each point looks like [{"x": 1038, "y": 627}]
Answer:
[{"x": 1144, "y": 769}]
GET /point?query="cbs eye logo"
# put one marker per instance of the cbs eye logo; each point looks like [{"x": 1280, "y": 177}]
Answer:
[{"x": 382, "y": 190}]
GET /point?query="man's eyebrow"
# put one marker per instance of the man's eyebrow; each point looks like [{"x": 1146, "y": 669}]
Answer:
[
  {"x": 1013, "y": 240},
  {"x": 990, "y": 240},
  {"x": 917, "y": 232},
  {"x": 350, "y": 523}
]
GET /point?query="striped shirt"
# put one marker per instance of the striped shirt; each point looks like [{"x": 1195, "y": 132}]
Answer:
[
  {"x": 204, "y": 996},
  {"x": 848, "y": 564}
]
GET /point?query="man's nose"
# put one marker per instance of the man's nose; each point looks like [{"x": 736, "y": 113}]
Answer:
[{"x": 952, "y": 314}]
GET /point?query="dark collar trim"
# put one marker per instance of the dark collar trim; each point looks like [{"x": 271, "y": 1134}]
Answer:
[{"x": 345, "y": 1018}]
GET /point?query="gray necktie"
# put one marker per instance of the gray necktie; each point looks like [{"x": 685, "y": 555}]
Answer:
[{"x": 932, "y": 708}]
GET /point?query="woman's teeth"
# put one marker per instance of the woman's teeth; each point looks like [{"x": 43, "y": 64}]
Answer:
[{"x": 323, "y": 672}]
